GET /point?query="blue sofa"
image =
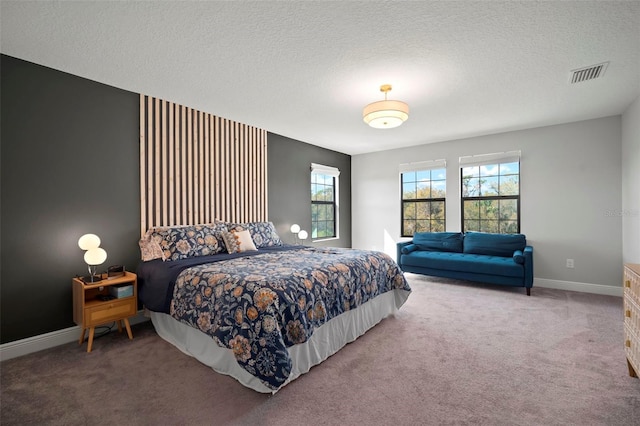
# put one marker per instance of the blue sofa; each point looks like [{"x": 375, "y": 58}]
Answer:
[{"x": 504, "y": 259}]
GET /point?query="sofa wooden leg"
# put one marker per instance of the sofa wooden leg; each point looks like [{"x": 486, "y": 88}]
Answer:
[{"x": 528, "y": 291}]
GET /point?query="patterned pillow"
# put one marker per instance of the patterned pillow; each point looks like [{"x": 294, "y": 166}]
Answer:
[
  {"x": 263, "y": 234},
  {"x": 238, "y": 241},
  {"x": 181, "y": 242},
  {"x": 150, "y": 249}
]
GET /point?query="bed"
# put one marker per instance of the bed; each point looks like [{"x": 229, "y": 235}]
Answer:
[{"x": 240, "y": 301}]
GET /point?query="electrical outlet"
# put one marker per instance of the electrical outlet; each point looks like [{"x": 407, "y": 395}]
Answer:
[{"x": 570, "y": 263}]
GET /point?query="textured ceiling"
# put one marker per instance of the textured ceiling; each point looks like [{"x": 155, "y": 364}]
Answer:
[{"x": 306, "y": 69}]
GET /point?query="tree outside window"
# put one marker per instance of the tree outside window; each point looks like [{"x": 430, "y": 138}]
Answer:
[
  {"x": 491, "y": 198},
  {"x": 324, "y": 181},
  {"x": 423, "y": 201}
]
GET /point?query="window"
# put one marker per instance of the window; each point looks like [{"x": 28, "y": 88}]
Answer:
[
  {"x": 491, "y": 193},
  {"x": 423, "y": 197},
  {"x": 324, "y": 205}
]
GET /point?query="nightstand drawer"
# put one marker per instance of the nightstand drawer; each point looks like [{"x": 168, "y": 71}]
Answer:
[
  {"x": 632, "y": 347},
  {"x": 631, "y": 315},
  {"x": 110, "y": 311},
  {"x": 631, "y": 284}
]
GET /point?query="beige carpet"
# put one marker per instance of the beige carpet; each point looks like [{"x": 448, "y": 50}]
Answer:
[{"x": 457, "y": 353}]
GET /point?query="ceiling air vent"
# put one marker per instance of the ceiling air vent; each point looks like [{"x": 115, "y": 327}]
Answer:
[{"x": 588, "y": 73}]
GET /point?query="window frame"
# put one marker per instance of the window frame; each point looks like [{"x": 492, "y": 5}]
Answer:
[
  {"x": 421, "y": 167},
  {"x": 489, "y": 160},
  {"x": 334, "y": 173}
]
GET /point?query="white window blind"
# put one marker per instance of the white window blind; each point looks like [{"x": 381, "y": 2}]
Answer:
[
  {"x": 324, "y": 170},
  {"x": 498, "y": 157},
  {"x": 423, "y": 165}
]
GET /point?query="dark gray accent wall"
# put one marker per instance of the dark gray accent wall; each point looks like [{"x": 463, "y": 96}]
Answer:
[
  {"x": 70, "y": 166},
  {"x": 289, "y": 185},
  {"x": 69, "y": 162}
]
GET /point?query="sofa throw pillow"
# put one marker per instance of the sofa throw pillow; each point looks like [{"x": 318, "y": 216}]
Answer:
[
  {"x": 238, "y": 241},
  {"x": 503, "y": 245},
  {"x": 263, "y": 234},
  {"x": 439, "y": 241},
  {"x": 518, "y": 257},
  {"x": 409, "y": 248}
]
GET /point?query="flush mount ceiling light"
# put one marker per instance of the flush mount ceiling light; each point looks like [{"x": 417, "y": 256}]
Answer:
[{"x": 385, "y": 114}]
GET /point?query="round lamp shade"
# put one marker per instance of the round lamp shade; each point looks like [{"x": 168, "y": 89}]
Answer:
[
  {"x": 295, "y": 228},
  {"x": 95, "y": 256},
  {"x": 385, "y": 114},
  {"x": 303, "y": 235},
  {"x": 89, "y": 241}
]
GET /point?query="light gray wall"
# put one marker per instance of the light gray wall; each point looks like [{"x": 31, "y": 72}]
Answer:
[
  {"x": 631, "y": 183},
  {"x": 571, "y": 184}
]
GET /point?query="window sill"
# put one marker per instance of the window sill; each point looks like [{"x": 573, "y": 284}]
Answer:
[{"x": 325, "y": 239}]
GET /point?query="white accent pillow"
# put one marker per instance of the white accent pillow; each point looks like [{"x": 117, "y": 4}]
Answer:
[{"x": 238, "y": 241}]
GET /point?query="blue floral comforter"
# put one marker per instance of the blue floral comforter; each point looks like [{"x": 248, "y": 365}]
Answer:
[{"x": 259, "y": 305}]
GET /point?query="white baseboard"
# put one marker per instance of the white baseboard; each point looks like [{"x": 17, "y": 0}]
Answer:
[
  {"x": 576, "y": 286},
  {"x": 49, "y": 340}
]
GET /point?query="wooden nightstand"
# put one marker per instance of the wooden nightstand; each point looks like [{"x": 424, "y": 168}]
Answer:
[{"x": 89, "y": 310}]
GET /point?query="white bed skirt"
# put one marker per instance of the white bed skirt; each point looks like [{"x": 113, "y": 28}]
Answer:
[{"x": 325, "y": 341}]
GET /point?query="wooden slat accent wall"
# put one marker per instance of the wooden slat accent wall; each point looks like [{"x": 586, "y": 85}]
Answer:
[{"x": 196, "y": 167}]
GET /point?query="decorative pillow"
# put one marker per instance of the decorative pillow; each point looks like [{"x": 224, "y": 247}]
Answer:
[
  {"x": 518, "y": 257},
  {"x": 238, "y": 241},
  {"x": 181, "y": 242},
  {"x": 263, "y": 234},
  {"x": 149, "y": 249},
  {"x": 409, "y": 248}
]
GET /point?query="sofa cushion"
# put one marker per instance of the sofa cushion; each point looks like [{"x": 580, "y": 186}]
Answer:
[
  {"x": 439, "y": 241},
  {"x": 475, "y": 263},
  {"x": 493, "y": 244}
]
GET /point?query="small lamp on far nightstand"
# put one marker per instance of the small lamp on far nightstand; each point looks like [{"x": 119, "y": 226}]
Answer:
[
  {"x": 295, "y": 228},
  {"x": 93, "y": 257}
]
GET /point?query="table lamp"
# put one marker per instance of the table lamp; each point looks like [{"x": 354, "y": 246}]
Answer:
[
  {"x": 93, "y": 257},
  {"x": 295, "y": 228}
]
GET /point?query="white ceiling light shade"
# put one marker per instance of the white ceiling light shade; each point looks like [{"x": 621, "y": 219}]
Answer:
[{"x": 385, "y": 114}]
